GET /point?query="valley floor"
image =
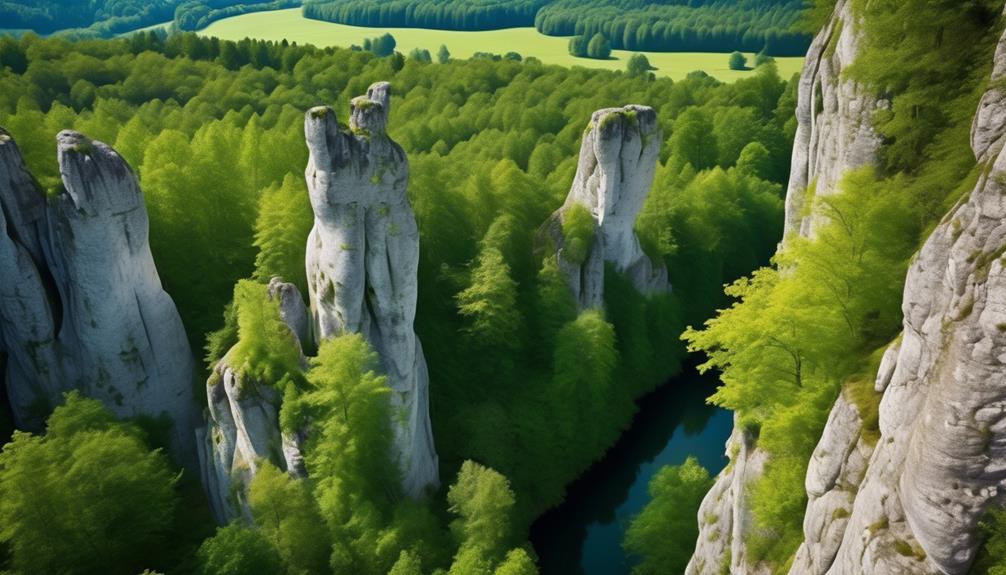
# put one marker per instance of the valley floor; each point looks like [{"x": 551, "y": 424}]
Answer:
[{"x": 291, "y": 25}]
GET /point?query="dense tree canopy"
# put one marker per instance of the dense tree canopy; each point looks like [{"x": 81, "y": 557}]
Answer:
[
  {"x": 681, "y": 25},
  {"x": 87, "y": 497},
  {"x": 215, "y": 131}
]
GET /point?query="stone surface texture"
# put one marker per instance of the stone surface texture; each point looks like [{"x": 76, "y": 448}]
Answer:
[
  {"x": 362, "y": 262},
  {"x": 618, "y": 157},
  {"x": 81, "y": 304},
  {"x": 910, "y": 504}
]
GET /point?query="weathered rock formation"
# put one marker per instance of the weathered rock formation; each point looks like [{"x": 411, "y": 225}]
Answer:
[
  {"x": 618, "y": 157},
  {"x": 244, "y": 428},
  {"x": 834, "y": 121},
  {"x": 910, "y": 502},
  {"x": 724, "y": 514},
  {"x": 81, "y": 304},
  {"x": 362, "y": 261}
]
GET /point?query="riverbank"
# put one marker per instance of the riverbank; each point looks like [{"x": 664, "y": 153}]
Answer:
[{"x": 291, "y": 25}]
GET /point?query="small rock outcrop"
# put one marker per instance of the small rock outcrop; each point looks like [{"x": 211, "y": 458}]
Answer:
[
  {"x": 362, "y": 262},
  {"x": 243, "y": 421},
  {"x": 81, "y": 303},
  {"x": 618, "y": 158}
]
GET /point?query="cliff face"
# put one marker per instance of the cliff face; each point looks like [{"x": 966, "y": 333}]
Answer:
[
  {"x": 81, "y": 303},
  {"x": 834, "y": 134},
  {"x": 911, "y": 502},
  {"x": 362, "y": 262},
  {"x": 834, "y": 121},
  {"x": 618, "y": 157}
]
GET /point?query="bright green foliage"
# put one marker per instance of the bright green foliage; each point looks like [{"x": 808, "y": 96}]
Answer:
[
  {"x": 198, "y": 14},
  {"x": 738, "y": 61},
  {"x": 578, "y": 233},
  {"x": 490, "y": 302},
  {"x": 638, "y": 64},
  {"x": 693, "y": 140},
  {"x": 599, "y": 47},
  {"x": 266, "y": 349},
  {"x": 483, "y": 501},
  {"x": 991, "y": 559},
  {"x": 287, "y": 515},
  {"x": 793, "y": 338},
  {"x": 517, "y": 562},
  {"x": 239, "y": 550},
  {"x": 408, "y": 564},
  {"x": 755, "y": 160},
  {"x": 664, "y": 533},
  {"x": 70, "y": 500},
  {"x": 284, "y": 221}
]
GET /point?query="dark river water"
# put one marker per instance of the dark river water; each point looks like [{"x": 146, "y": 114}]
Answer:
[{"x": 583, "y": 536}]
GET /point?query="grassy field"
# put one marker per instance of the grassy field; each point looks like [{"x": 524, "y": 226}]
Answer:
[{"x": 289, "y": 24}]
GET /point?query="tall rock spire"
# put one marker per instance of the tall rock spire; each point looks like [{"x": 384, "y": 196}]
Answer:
[
  {"x": 362, "y": 262},
  {"x": 618, "y": 157},
  {"x": 82, "y": 304}
]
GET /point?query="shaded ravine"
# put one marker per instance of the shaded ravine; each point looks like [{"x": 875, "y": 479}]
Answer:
[{"x": 583, "y": 535}]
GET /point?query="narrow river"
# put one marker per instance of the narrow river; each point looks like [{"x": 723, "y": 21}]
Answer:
[{"x": 583, "y": 536}]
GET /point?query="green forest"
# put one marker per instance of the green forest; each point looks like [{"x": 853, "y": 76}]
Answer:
[{"x": 492, "y": 146}]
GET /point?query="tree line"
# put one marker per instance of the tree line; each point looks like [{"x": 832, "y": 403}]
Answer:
[{"x": 439, "y": 14}]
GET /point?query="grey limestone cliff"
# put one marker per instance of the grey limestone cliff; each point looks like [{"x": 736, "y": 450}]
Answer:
[
  {"x": 81, "y": 303},
  {"x": 618, "y": 157},
  {"x": 362, "y": 262},
  {"x": 910, "y": 501}
]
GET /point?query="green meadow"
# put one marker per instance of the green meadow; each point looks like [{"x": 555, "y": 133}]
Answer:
[{"x": 291, "y": 25}]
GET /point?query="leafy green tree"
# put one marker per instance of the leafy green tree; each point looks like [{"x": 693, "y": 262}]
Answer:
[
  {"x": 443, "y": 54},
  {"x": 693, "y": 140},
  {"x": 638, "y": 65},
  {"x": 490, "y": 302},
  {"x": 738, "y": 61},
  {"x": 663, "y": 535},
  {"x": 286, "y": 514},
  {"x": 284, "y": 222},
  {"x": 239, "y": 550},
  {"x": 266, "y": 349},
  {"x": 408, "y": 564},
  {"x": 517, "y": 562},
  {"x": 420, "y": 55},
  {"x": 483, "y": 501},
  {"x": 755, "y": 160},
  {"x": 578, "y": 232},
  {"x": 599, "y": 47},
  {"x": 56, "y": 514}
]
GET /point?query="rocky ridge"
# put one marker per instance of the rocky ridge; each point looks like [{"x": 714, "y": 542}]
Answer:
[
  {"x": 82, "y": 305},
  {"x": 909, "y": 502}
]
